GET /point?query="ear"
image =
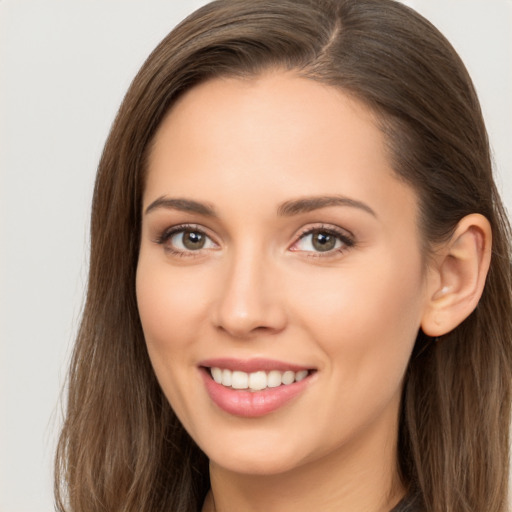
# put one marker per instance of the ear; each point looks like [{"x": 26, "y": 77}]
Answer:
[{"x": 456, "y": 279}]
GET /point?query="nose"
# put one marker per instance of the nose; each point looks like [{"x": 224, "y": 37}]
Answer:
[{"x": 250, "y": 301}]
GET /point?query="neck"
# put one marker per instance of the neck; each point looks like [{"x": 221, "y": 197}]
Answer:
[{"x": 362, "y": 476}]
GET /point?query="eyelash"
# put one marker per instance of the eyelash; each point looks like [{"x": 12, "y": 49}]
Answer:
[
  {"x": 346, "y": 239},
  {"x": 167, "y": 234}
]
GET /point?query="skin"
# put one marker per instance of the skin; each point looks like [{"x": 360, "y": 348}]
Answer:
[{"x": 260, "y": 288}]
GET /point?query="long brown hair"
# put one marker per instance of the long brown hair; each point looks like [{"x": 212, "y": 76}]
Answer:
[{"x": 122, "y": 448}]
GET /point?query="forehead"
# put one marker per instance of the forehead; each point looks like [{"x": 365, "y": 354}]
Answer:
[
  {"x": 283, "y": 102},
  {"x": 275, "y": 135}
]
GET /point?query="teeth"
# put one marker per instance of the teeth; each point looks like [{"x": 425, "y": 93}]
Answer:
[
  {"x": 226, "y": 378},
  {"x": 274, "y": 379},
  {"x": 217, "y": 375},
  {"x": 256, "y": 381},
  {"x": 301, "y": 375},
  {"x": 288, "y": 377},
  {"x": 240, "y": 380}
]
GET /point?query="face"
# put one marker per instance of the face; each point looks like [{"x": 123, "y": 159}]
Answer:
[{"x": 280, "y": 283}]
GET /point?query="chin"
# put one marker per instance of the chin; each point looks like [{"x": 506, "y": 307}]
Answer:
[
  {"x": 263, "y": 453},
  {"x": 256, "y": 464}
]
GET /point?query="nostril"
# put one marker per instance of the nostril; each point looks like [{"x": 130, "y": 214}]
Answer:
[
  {"x": 241, "y": 330},
  {"x": 248, "y": 304}
]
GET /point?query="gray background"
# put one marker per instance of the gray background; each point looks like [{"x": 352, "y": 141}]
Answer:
[{"x": 64, "y": 67}]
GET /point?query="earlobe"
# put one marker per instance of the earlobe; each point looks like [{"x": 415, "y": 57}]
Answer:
[{"x": 457, "y": 279}]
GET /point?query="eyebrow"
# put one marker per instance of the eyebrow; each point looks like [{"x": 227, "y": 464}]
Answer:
[
  {"x": 308, "y": 204},
  {"x": 183, "y": 205},
  {"x": 286, "y": 209}
]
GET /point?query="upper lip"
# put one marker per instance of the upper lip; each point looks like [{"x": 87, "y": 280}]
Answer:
[{"x": 252, "y": 365}]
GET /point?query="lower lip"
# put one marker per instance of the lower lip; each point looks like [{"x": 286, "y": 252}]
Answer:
[{"x": 251, "y": 404}]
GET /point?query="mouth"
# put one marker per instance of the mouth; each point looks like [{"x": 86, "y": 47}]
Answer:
[
  {"x": 254, "y": 388},
  {"x": 258, "y": 380}
]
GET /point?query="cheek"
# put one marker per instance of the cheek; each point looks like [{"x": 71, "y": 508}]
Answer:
[
  {"x": 170, "y": 302},
  {"x": 366, "y": 314},
  {"x": 171, "y": 308},
  {"x": 366, "y": 327}
]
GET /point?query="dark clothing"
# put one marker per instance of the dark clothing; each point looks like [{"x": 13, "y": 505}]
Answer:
[{"x": 411, "y": 503}]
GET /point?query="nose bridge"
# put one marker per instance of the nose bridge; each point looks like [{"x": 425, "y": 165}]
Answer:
[{"x": 249, "y": 300}]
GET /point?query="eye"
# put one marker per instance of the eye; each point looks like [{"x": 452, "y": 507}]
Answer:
[
  {"x": 323, "y": 240},
  {"x": 185, "y": 239},
  {"x": 190, "y": 240}
]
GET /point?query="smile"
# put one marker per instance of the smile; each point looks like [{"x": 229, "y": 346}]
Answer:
[
  {"x": 256, "y": 381},
  {"x": 256, "y": 387}
]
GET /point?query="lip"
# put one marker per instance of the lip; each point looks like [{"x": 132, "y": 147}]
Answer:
[
  {"x": 252, "y": 404},
  {"x": 252, "y": 365}
]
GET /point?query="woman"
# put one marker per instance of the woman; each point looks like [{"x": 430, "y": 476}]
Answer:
[{"x": 300, "y": 288}]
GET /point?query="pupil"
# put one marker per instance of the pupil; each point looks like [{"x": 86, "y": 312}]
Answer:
[
  {"x": 193, "y": 240},
  {"x": 323, "y": 241}
]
